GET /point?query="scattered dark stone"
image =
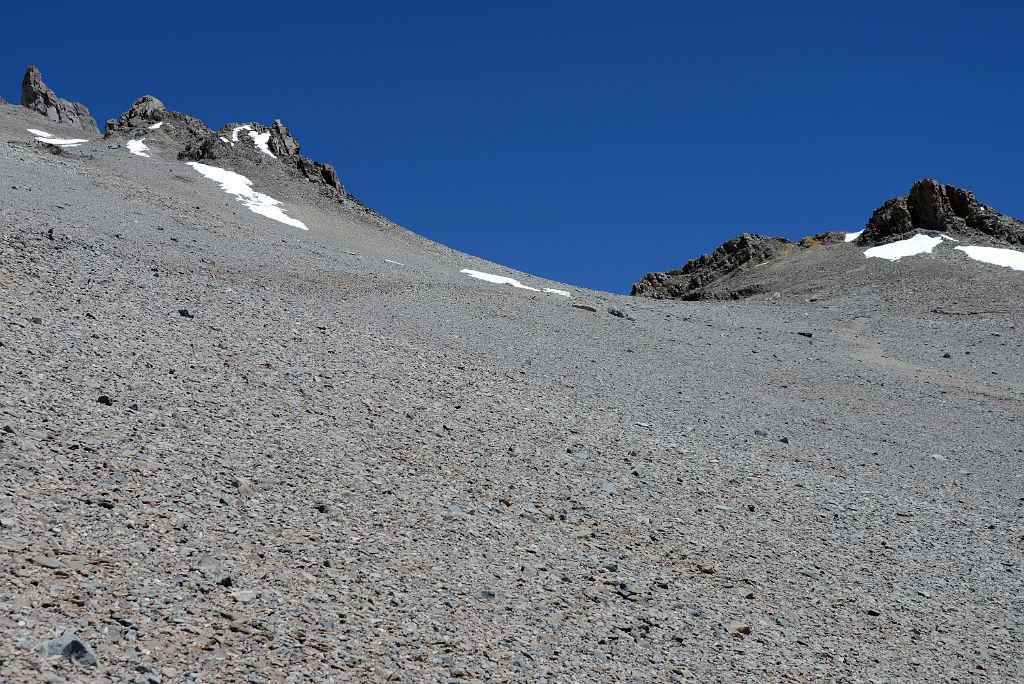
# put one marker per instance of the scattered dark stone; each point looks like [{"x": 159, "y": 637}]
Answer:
[
  {"x": 760, "y": 433},
  {"x": 783, "y": 622},
  {"x": 585, "y": 307},
  {"x": 872, "y": 612},
  {"x": 225, "y": 581},
  {"x": 74, "y": 649},
  {"x": 805, "y": 334},
  {"x": 49, "y": 234},
  {"x": 486, "y": 594},
  {"x": 619, "y": 313},
  {"x": 105, "y": 400},
  {"x": 784, "y": 440},
  {"x": 36, "y": 319},
  {"x": 185, "y": 313},
  {"x": 625, "y": 591},
  {"x": 947, "y": 355},
  {"x": 35, "y": 95}
]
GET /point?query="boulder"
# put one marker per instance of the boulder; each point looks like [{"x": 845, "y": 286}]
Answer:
[{"x": 35, "y": 95}]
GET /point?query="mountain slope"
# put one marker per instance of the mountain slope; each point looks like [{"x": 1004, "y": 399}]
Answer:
[
  {"x": 239, "y": 450},
  {"x": 754, "y": 265}
]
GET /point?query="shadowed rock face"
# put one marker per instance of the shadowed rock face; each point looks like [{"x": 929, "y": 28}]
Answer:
[
  {"x": 746, "y": 250},
  {"x": 35, "y": 95},
  {"x": 930, "y": 205}
]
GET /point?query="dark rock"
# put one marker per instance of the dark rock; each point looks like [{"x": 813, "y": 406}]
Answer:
[
  {"x": 745, "y": 251},
  {"x": 105, "y": 400},
  {"x": 145, "y": 111},
  {"x": 933, "y": 206},
  {"x": 35, "y": 95},
  {"x": 760, "y": 433},
  {"x": 185, "y": 313},
  {"x": 805, "y": 334},
  {"x": 585, "y": 307},
  {"x": 281, "y": 141},
  {"x": 619, "y": 313},
  {"x": 74, "y": 649}
]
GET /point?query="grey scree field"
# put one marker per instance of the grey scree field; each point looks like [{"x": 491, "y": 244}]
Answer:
[{"x": 252, "y": 431}]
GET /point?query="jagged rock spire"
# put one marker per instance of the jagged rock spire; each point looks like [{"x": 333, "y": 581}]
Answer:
[{"x": 35, "y": 95}]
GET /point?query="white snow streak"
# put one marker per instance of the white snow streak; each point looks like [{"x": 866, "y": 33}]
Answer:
[
  {"x": 223, "y": 139},
  {"x": 894, "y": 251},
  {"x": 503, "y": 280},
  {"x": 396, "y": 263},
  {"x": 852, "y": 237},
  {"x": 260, "y": 140},
  {"x": 157, "y": 125},
  {"x": 240, "y": 186},
  {"x": 43, "y": 136},
  {"x": 236, "y": 129},
  {"x": 138, "y": 147},
  {"x": 1010, "y": 258},
  {"x": 497, "y": 279}
]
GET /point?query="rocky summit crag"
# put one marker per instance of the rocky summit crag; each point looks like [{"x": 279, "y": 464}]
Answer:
[
  {"x": 752, "y": 264},
  {"x": 251, "y": 431},
  {"x": 35, "y": 95}
]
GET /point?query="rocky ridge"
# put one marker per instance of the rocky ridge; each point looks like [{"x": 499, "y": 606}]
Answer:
[
  {"x": 38, "y": 97},
  {"x": 930, "y": 207}
]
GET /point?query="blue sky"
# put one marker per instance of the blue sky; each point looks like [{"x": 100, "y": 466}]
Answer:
[{"x": 586, "y": 142}]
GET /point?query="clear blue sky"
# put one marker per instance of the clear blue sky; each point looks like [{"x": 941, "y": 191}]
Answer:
[{"x": 588, "y": 142}]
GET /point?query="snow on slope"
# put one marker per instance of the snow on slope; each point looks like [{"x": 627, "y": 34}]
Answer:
[
  {"x": 43, "y": 136},
  {"x": 504, "y": 280},
  {"x": 894, "y": 251},
  {"x": 137, "y": 147},
  {"x": 852, "y": 237},
  {"x": 1010, "y": 258},
  {"x": 240, "y": 186}
]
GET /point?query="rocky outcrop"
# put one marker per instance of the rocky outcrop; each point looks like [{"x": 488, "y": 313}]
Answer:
[
  {"x": 933, "y": 206},
  {"x": 688, "y": 282},
  {"x": 35, "y": 95},
  {"x": 228, "y": 143}
]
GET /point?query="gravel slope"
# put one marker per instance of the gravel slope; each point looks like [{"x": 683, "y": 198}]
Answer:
[{"x": 338, "y": 468}]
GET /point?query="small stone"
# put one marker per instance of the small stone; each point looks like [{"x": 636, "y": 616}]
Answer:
[
  {"x": 185, "y": 313},
  {"x": 947, "y": 355},
  {"x": 783, "y": 622},
  {"x": 760, "y": 433},
  {"x": 37, "y": 320},
  {"x": 806, "y": 334},
  {"x": 105, "y": 400},
  {"x": 7, "y": 522},
  {"x": 71, "y": 647},
  {"x": 486, "y": 594},
  {"x": 741, "y": 628},
  {"x": 585, "y": 307},
  {"x": 784, "y": 440},
  {"x": 938, "y": 457}
]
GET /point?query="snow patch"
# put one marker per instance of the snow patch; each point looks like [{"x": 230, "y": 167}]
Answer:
[
  {"x": 852, "y": 237},
  {"x": 260, "y": 140},
  {"x": 240, "y": 186},
  {"x": 551, "y": 290},
  {"x": 396, "y": 263},
  {"x": 998, "y": 256},
  {"x": 43, "y": 136},
  {"x": 138, "y": 147},
  {"x": 157, "y": 125},
  {"x": 225, "y": 140},
  {"x": 497, "y": 279},
  {"x": 235, "y": 131},
  {"x": 894, "y": 251}
]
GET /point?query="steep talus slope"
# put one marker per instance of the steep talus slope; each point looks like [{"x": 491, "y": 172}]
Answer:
[{"x": 236, "y": 450}]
